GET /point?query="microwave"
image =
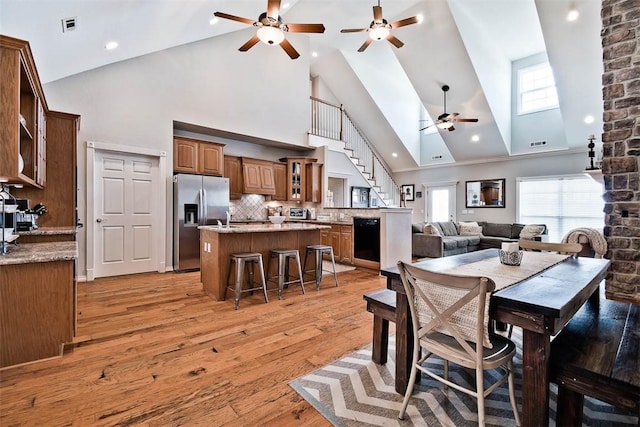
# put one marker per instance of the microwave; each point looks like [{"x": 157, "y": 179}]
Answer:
[{"x": 297, "y": 213}]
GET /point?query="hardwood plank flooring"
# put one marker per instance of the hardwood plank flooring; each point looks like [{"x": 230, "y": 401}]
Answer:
[{"x": 153, "y": 349}]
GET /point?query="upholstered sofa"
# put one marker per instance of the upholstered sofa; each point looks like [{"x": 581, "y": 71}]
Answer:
[{"x": 440, "y": 239}]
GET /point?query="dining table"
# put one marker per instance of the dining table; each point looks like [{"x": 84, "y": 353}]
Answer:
[{"x": 541, "y": 304}]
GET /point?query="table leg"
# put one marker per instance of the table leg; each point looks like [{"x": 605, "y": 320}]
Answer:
[
  {"x": 380, "y": 340},
  {"x": 536, "y": 352}
]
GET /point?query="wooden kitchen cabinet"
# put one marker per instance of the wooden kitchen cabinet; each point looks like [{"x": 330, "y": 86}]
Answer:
[
  {"x": 303, "y": 179},
  {"x": 22, "y": 116},
  {"x": 199, "y": 157},
  {"x": 258, "y": 177},
  {"x": 233, "y": 171},
  {"x": 340, "y": 237},
  {"x": 280, "y": 175}
]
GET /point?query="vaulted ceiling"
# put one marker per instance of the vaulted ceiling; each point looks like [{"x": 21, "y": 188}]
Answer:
[{"x": 469, "y": 45}]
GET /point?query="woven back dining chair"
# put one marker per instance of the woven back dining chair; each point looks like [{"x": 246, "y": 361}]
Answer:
[
  {"x": 450, "y": 316},
  {"x": 562, "y": 248}
]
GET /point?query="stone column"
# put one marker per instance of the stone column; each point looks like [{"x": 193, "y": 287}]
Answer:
[{"x": 621, "y": 139}]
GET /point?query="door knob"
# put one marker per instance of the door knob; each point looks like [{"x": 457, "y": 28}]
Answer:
[{"x": 99, "y": 220}]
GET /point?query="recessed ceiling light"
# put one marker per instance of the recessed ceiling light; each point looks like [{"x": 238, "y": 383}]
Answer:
[
  {"x": 588, "y": 119},
  {"x": 573, "y": 14},
  {"x": 394, "y": 154},
  {"x": 213, "y": 21},
  {"x": 111, "y": 45},
  {"x": 314, "y": 54},
  {"x": 420, "y": 17},
  {"x": 286, "y": 5},
  {"x": 475, "y": 138}
]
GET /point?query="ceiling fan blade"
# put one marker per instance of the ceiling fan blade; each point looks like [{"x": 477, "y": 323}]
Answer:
[
  {"x": 234, "y": 18},
  {"x": 394, "y": 41},
  {"x": 427, "y": 127},
  {"x": 249, "y": 44},
  {"x": 305, "y": 28},
  {"x": 354, "y": 30},
  {"x": 286, "y": 46},
  {"x": 451, "y": 129},
  {"x": 365, "y": 44},
  {"x": 466, "y": 120},
  {"x": 273, "y": 8},
  {"x": 453, "y": 115},
  {"x": 377, "y": 13},
  {"x": 403, "y": 22}
]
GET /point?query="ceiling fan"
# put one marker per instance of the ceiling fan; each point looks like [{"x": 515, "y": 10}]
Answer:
[
  {"x": 271, "y": 29},
  {"x": 380, "y": 29},
  {"x": 446, "y": 120}
]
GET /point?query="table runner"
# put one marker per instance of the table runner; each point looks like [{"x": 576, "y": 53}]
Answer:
[{"x": 506, "y": 275}]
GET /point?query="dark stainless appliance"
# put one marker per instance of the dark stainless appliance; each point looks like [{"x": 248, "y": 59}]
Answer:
[
  {"x": 197, "y": 200},
  {"x": 366, "y": 238},
  {"x": 298, "y": 213}
]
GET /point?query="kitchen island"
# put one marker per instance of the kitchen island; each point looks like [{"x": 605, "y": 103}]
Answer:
[
  {"x": 37, "y": 301},
  {"x": 217, "y": 243}
]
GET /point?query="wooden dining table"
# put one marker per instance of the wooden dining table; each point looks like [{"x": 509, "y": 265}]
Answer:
[{"x": 541, "y": 304}]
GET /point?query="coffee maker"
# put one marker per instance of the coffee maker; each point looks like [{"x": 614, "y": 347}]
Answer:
[{"x": 27, "y": 219}]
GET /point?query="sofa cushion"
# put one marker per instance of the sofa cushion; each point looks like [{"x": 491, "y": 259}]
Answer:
[
  {"x": 515, "y": 230},
  {"x": 449, "y": 243},
  {"x": 530, "y": 231},
  {"x": 417, "y": 227},
  {"x": 431, "y": 229},
  {"x": 494, "y": 242},
  {"x": 498, "y": 230},
  {"x": 468, "y": 229},
  {"x": 448, "y": 228}
]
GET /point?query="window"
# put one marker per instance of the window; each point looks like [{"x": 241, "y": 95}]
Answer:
[
  {"x": 536, "y": 89},
  {"x": 562, "y": 203}
]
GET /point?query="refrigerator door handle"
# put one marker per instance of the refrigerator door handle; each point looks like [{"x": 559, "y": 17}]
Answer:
[
  {"x": 205, "y": 217},
  {"x": 200, "y": 211}
]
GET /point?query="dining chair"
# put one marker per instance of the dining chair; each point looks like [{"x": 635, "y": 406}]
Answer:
[
  {"x": 450, "y": 316},
  {"x": 562, "y": 248}
]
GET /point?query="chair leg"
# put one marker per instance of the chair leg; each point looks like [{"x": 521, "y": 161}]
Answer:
[
  {"x": 318, "y": 256},
  {"x": 226, "y": 283},
  {"x": 410, "y": 385},
  {"x": 282, "y": 261},
  {"x": 333, "y": 264},
  {"x": 512, "y": 393},
  {"x": 238, "y": 288},
  {"x": 480, "y": 394},
  {"x": 300, "y": 272},
  {"x": 264, "y": 280},
  {"x": 446, "y": 374}
]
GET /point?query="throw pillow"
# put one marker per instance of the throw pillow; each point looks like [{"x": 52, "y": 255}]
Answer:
[
  {"x": 448, "y": 228},
  {"x": 468, "y": 229},
  {"x": 430, "y": 229},
  {"x": 530, "y": 231}
]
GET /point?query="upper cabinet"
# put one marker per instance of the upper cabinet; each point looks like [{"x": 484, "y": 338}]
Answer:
[
  {"x": 258, "y": 177},
  {"x": 233, "y": 171},
  {"x": 280, "y": 175},
  {"x": 199, "y": 157},
  {"x": 304, "y": 179},
  {"x": 22, "y": 116}
]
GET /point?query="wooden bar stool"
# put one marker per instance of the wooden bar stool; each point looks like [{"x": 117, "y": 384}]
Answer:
[
  {"x": 242, "y": 261},
  {"x": 318, "y": 251},
  {"x": 284, "y": 256}
]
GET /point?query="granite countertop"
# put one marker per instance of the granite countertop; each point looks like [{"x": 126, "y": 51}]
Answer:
[
  {"x": 48, "y": 231},
  {"x": 40, "y": 252},
  {"x": 264, "y": 228}
]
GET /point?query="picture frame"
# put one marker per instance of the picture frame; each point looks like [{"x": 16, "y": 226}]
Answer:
[
  {"x": 486, "y": 193},
  {"x": 408, "y": 190}
]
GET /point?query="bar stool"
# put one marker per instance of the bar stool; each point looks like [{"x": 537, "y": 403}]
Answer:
[
  {"x": 318, "y": 251},
  {"x": 284, "y": 256},
  {"x": 242, "y": 260}
]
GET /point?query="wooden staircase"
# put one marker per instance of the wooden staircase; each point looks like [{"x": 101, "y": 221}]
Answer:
[{"x": 333, "y": 122}]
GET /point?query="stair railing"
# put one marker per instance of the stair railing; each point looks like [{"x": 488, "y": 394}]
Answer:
[{"x": 332, "y": 121}]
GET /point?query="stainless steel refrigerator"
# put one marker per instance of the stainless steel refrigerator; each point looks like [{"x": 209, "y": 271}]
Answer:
[{"x": 197, "y": 200}]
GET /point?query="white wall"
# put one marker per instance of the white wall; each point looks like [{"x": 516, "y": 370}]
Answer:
[
  {"x": 259, "y": 93},
  {"x": 559, "y": 164}
]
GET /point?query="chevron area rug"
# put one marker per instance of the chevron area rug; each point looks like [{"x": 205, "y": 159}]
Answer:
[{"x": 353, "y": 391}]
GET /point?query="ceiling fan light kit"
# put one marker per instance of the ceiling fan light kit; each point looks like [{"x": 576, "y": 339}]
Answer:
[
  {"x": 270, "y": 35},
  {"x": 380, "y": 29},
  {"x": 446, "y": 120},
  {"x": 271, "y": 29}
]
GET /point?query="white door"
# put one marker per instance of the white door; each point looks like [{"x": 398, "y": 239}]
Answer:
[
  {"x": 125, "y": 192},
  {"x": 441, "y": 203}
]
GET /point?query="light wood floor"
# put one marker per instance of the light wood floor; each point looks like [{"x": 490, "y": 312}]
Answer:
[{"x": 152, "y": 349}]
